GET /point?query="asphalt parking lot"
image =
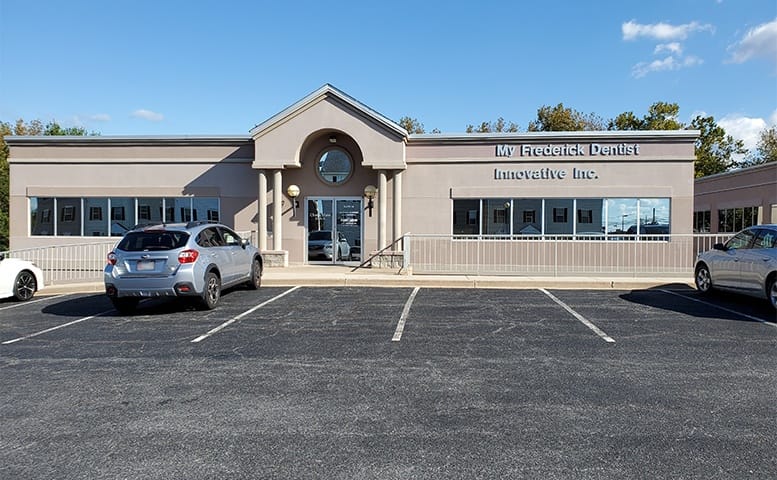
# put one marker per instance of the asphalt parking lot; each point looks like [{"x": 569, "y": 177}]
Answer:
[{"x": 391, "y": 383}]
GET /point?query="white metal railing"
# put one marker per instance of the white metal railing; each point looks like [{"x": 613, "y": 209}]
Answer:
[
  {"x": 447, "y": 254},
  {"x": 67, "y": 263},
  {"x": 79, "y": 263},
  {"x": 555, "y": 255}
]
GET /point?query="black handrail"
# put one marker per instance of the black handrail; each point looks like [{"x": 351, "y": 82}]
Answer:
[{"x": 378, "y": 253}]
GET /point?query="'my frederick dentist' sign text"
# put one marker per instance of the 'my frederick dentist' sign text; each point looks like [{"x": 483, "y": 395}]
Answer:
[{"x": 568, "y": 150}]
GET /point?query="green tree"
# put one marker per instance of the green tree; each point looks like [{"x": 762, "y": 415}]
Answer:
[
  {"x": 412, "y": 125},
  {"x": 715, "y": 149},
  {"x": 765, "y": 150},
  {"x": 660, "y": 116},
  {"x": 499, "y": 126},
  {"x": 34, "y": 127},
  {"x": 563, "y": 119}
]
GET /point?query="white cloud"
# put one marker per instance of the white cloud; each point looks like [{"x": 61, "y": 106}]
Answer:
[
  {"x": 669, "y": 63},
  {"x": 760, "y": 41},
  {"x": 744, "y": 128},
  {"x": 673, "y": 47},
  {"x": 773, "y": 119},
  {"x": 662, "y": 31},
  {"x": 148, "y": 115}
]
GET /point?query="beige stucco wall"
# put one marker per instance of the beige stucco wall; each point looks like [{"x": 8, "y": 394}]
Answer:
[
  {"x": 466, "y": 170},
  {"x": 280, "y": 144},
  {"x": 101, "y": 170},
  {"x": 750, "y": 187}
]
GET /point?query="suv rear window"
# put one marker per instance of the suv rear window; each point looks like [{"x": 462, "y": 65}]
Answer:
[{"x": 157, "y": 240}]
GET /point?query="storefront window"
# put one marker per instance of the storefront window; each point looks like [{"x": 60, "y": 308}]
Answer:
[
  {"x": 96, "y": 221},
  {"x": 41, "y": 220},
  {"x": 701, "y": 221},
  {"x": 69, "y": 217},
  {"x": 589, "y": 216},
  {"x": 735, "y": 219},
  {"x": 558, "y": 218},
  {"x": 621, "y": 215},
  {"x": 527, "y": 216},
  {"x": 98, "y": 216},
  {"x": 466, "y": 217},
  {"x": 496, "y": 216},
  {"x": 122, "y": 215},
  {"x": 653, "y": 216}
]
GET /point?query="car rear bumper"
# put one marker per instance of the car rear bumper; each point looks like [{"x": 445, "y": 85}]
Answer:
[{"x": 149, "y": 287}]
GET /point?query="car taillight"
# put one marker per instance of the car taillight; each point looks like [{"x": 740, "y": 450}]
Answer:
[
  {"x": 112, "y": 258},
  {"x": 188, "y": 256}
]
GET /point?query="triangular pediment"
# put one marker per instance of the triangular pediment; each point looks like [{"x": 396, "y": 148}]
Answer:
[
  {"x": 329, "y": 92},
  {"x": 279, "y": 141}
]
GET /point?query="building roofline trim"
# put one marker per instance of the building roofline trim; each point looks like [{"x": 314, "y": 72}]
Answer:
[
  {"x": 127, "y": 140},
  {"x": 561, "y": 136},
  {"x": 737, "y": 171},
  {"x": 327, "y": 90}
]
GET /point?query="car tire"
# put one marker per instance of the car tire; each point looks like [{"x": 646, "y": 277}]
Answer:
[
  {"x": 703, "y": 279},
  {"x": 771, "y": 292},
  {"x": 125, "y": 304},
  {"x": 25, "y": 286},
  {"x": 256, "y": 275},
  {"x": 212, "y": 291}
]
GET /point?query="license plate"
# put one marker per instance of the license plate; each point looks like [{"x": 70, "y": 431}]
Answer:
[{"x": 144, "y": 265}]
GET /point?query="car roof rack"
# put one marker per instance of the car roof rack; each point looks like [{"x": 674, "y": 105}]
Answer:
[
  {"x": 148, "y": 224},
  {"x": 197, "y": 223}
]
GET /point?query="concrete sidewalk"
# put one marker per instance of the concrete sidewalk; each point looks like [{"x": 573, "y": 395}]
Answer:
[{"x": 344, "y": 276}]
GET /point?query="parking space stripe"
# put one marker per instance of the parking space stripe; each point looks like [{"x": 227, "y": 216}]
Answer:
[
  {"x": 756, "y": 319},
  {"x": 238, "y": 317},
  {"x": 405, "y": 311},
  {"x": 21, "y": 304},
  {"x": 8, "y": 342},
  {"x": 582, "y": 319}
]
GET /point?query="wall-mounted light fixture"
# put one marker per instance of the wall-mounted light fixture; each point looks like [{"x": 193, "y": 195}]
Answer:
[
  {"x": 293, "y": 192},
  {"x": 369, "y": 192}
]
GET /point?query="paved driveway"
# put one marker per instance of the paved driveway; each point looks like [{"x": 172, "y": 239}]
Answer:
[{"x": 391, "y": 383}]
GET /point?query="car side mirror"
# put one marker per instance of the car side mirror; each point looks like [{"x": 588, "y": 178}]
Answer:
[
  {"x": 719, "y": 246},
  {"x": 244, "y": 242}
]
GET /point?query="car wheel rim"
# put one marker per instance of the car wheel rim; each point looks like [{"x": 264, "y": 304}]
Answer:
[
  {"x": 256, "y": 273},
  {"x": 25, "y": 286},
  {"x": 703, "y": 279},
  {"x": 213, "y": 290},
  {"x": 773, "y": 294}
]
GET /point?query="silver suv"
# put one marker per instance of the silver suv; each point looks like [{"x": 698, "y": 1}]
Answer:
[{"x": 194, "y": 260}]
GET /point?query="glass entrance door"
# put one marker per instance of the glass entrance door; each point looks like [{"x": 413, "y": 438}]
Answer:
[{"x": 334, "y": 228}]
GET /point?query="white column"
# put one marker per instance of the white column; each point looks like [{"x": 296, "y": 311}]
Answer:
[
  {"x": 382, "y": 201},
  {"x": 262, "y": 211},
  {"x": 277, "y": 210},
  {"x": 397, "y": 206}
]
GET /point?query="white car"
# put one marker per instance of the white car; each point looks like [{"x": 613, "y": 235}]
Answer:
[
  {"x": 19, "y": 278},
  {"x": 746, "y": 264}
]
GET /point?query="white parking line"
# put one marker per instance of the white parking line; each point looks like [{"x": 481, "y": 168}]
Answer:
[
  {"x": 585, "y": 322},
  {"x": 759, "y": 320},
  {"x": 405, "y": 311},
  {"x": 32, "y": 301},
  {"x": 8, "y": 342},
  {"x": 238, "y": 317}
]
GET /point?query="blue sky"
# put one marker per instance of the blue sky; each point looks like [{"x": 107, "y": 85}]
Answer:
[{"x": 153, "y": 67}]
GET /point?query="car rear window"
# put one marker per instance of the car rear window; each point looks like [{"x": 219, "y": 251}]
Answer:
[{"x": 156, "y": 240}]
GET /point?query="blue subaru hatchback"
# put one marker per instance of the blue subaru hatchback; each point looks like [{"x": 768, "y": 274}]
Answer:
[{"x": 194, "y": 260}]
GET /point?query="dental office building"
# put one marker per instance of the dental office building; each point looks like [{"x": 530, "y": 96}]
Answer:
[{"x": 356, "y": 176}]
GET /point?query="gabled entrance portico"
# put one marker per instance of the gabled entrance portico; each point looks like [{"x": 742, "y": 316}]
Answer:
[{"x": 328, "y": 145}]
